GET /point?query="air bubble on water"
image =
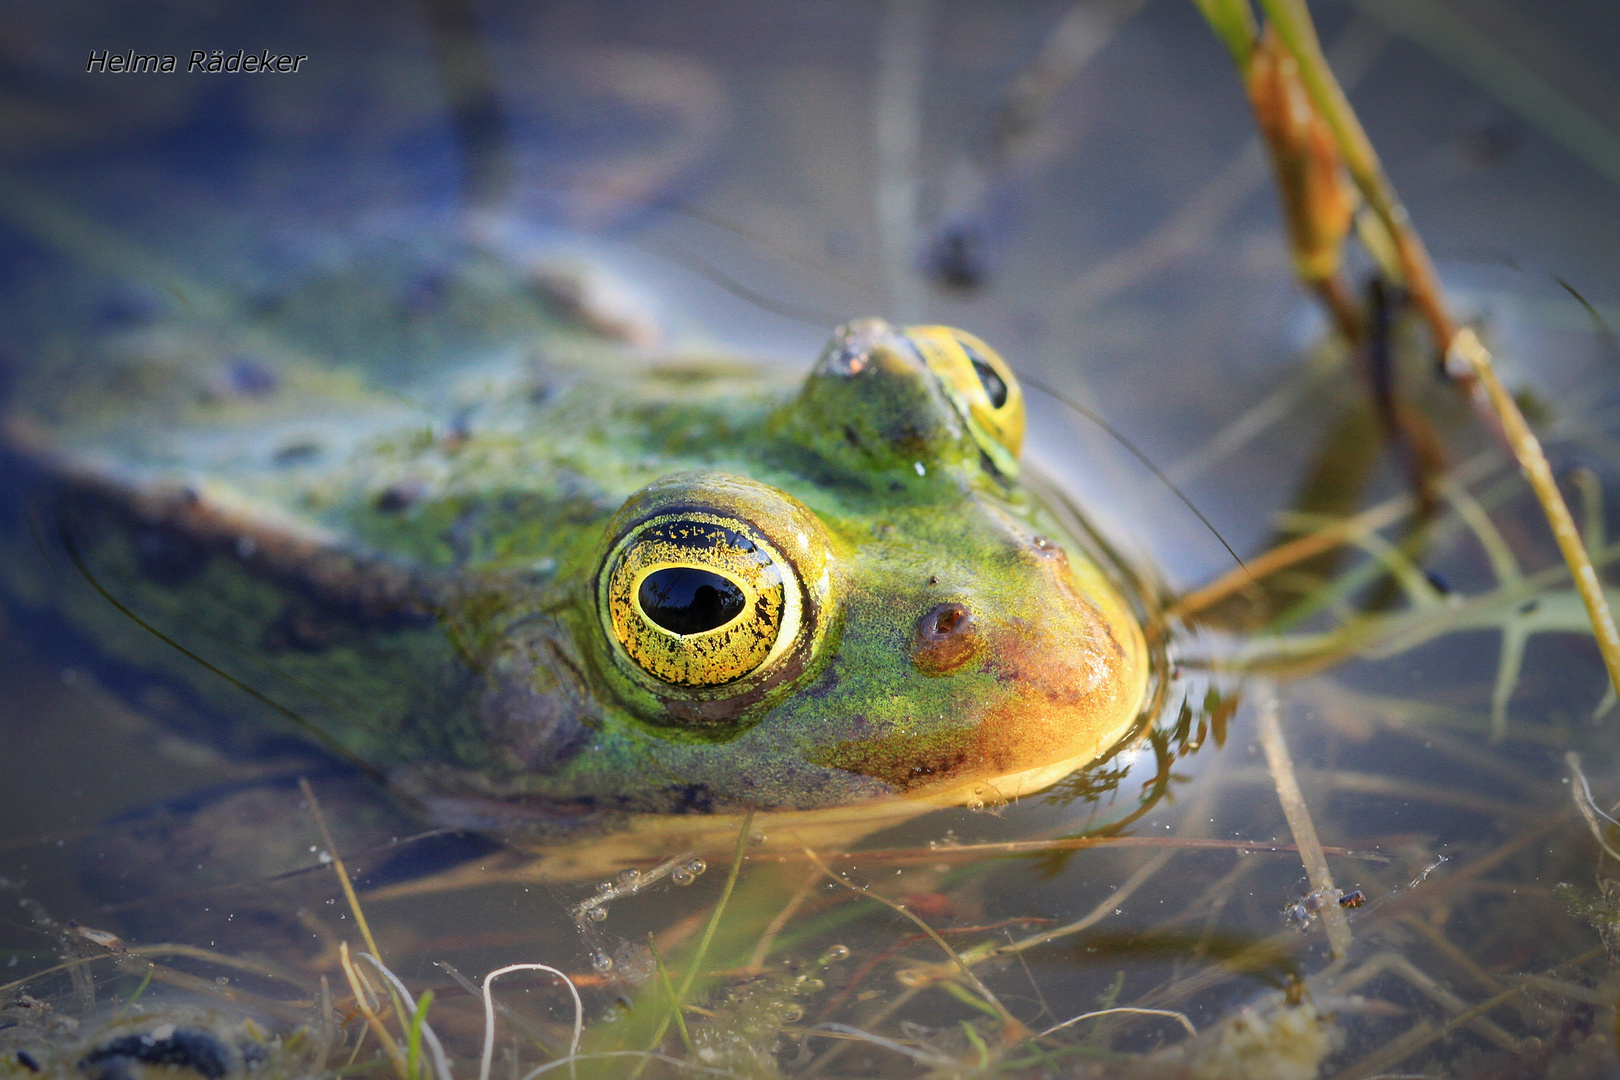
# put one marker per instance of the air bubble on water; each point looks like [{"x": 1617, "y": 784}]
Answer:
[
  {"x": 605, "y": 889},
  {"x": 223, "y": 980},
  {"x": 805, "y": 985},
  {"x": 697, "y": 866},
  {"x": 834, "y": 954},
  {"x": 987, "y": 799},
  {"x": 629, "y": 879},
  {"x": 597, "y": 914},
  {"x": 601, "y": 962},
  {"x": 682, "y": 876},
  {"x": 634, "y": 962},
  {"x": 792, "y": 1014}
]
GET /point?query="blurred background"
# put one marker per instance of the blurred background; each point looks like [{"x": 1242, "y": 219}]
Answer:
[{"x": 1078, "y": 184}]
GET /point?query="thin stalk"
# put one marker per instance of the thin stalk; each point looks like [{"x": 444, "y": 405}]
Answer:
[
  {"x": 1012, "y": 1028},
  {"x": 1233, "y": 22},
  {"x": 1300, "y": 823},
  {"x": 669, "y": 989},
  {"x": 703, "y": 944},
  {"x": 487, "y": 1059},
  {"x": 441, "y": 1063},
  {"x": 349, "y": 894},
  {"x": 1581, "y": 791},
  {"x": 146, "y": 981},
  {"x": 1180, "y": 1018},
  {"x": 1292, "y": 21},
  {"x": 413, "y": 1036},
  {"x": 342, "y": 871},
  {"x": 767, "y": 940},
  {"x": 1466, "y": 347},
  {"x": 373, "y": 1021}
]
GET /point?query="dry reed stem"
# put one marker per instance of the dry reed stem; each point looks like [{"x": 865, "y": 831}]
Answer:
[
  {"x": 337, "y": 864},
  {"x": 929, "y": 855},
  {"x": 373, "y": 1021},
  {"x": 1131, "y": 1009},
  {"x": 1300, "y": 823},
  {"x": 194, "y": 952},
  {"x": 891, "y": 1007},
  {"x": 531, "y": 1030},
  {"x": 1448, "y": 949},
  {"x": 488, "y": 1057},
  {"x": 1294, "y": 551},
  {"x": 441, "y": 1063},
  {"x": 1581, "y": 792},
  {"x": 1096, "y": 915},
  {"x": 1292, "y": 22},
  {"x": 1588, "y": 995},
  {"x": 1192, "y": 822},
  {"x": 1392, "y": 787},
  {"x": 1404, "y": 1046},
  {"x": 1012, "y": 1028},
  {"x": 767, "y": 940},
  {"x": 1466, "y": 346},
  {"x": 1460, "y": 1011},
  {"x": 851, "y": 1034},
  {"x": 1425, "y": 1033}
]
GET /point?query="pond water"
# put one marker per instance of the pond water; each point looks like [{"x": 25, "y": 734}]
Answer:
[{"x": 1079, "y": 186}]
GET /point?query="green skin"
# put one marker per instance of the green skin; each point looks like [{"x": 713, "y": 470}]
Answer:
[{"x": 418, "y": 587}]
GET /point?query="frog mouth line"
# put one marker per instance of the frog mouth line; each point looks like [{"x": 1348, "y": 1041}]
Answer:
[{"x": 631, "y": 839}]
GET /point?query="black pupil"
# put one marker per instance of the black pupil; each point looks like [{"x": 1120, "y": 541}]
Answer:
[
  {"x": 994, "y": 388},
  {"x": 686, "y": 600}
]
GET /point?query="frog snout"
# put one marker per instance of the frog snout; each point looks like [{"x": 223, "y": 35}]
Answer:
[{"x": 946, "y": 638}]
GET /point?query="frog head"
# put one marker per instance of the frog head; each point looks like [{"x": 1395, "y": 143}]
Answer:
[{"x": 869, "y": 600}]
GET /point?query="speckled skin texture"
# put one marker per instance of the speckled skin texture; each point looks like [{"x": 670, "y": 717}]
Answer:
[{"x": 408, "y": 570}]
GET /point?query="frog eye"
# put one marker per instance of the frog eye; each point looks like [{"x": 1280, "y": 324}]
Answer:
[
  {"x": 700, "y": 599},
  {"x": 980, "y": 385}
]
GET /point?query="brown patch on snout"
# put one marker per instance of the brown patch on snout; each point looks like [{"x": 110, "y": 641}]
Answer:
[
  {"x": 1074, "y": 684},
  {"x": 946, "y": 639}
]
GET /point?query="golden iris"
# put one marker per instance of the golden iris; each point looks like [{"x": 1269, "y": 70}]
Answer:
[
  {"x": 701, "y": 599},
  {"x": 980, "y": 385}
]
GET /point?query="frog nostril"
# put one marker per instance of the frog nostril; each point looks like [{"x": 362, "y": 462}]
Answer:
[
  {"x": 945, "y": 621},
  {"x": 946, "y": 639},
  {"x": 1046, "y": 549}
]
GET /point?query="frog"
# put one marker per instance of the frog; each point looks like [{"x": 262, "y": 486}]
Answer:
[{"x": 549, "y": 582}]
